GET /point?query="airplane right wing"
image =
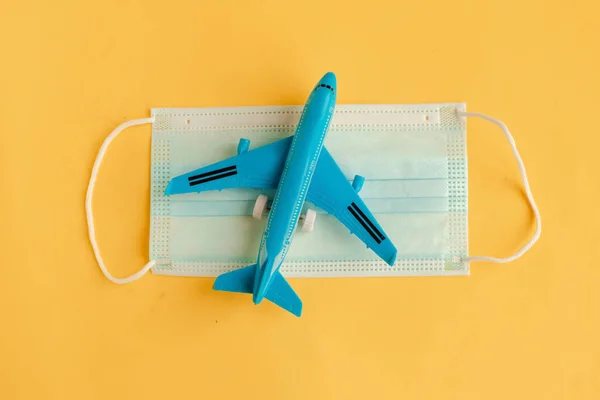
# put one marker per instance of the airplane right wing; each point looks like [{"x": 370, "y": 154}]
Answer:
[{"x": 331, "y": 191}]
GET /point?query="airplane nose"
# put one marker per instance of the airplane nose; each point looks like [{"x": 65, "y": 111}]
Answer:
[{"x": 329, "y": 79}]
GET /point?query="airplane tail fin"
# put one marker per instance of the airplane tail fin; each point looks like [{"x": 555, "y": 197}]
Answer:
[
  {"x": 282, "y": 294},
  {"x": 241, "y": 280}
]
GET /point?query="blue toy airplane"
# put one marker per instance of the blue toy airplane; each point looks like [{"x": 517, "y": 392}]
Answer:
[{"x": 301, "y": 168}]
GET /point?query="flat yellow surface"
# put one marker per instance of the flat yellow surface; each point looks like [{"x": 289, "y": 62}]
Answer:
[{"x": 71, "y": 71}]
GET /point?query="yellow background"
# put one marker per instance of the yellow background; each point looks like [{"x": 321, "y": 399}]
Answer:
[{"x": 71, "y": 71}]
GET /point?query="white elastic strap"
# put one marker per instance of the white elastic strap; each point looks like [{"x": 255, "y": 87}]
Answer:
[
  {"x": 88, "y": 203},
  {"x": 536, "y": 212}
]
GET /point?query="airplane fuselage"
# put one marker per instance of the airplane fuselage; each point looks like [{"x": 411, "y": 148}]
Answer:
[{"x": 300, "y": 165}]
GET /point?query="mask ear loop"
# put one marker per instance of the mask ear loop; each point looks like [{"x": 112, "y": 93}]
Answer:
[
  {"x": 88, "y": 203},
  {"x": 532, "y": 204}
]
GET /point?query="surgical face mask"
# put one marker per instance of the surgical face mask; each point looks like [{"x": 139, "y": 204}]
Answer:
[{"x": 413, "y": 159}]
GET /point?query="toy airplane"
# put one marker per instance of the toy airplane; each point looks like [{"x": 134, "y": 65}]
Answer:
[{"x": 301, "y": 168}]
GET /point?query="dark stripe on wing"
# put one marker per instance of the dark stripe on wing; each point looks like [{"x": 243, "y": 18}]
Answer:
[
  {"x": 368, "y": 222},
  {"x": 364, "y": 225},
  {"x": 213, "y": 178},
  {"x": 217, "y": 171}
]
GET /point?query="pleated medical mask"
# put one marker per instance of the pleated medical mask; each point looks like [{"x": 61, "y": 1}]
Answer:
[{"x": 413, "y": 159}]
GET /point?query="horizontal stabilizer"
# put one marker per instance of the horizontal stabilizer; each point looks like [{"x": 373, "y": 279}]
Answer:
[
  {"x": 282, "y": 294},
  {"x": 241, "y": 280}
]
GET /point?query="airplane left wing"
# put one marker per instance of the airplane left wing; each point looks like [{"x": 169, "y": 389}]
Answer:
[
  {"x": 258, "y": 169},
  {"x": 331, "y": 191}
]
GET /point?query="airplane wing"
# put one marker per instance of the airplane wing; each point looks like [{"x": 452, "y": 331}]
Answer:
[
  {"x": 258, "y": 169},
  {"x": 331, "y": 191}
]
